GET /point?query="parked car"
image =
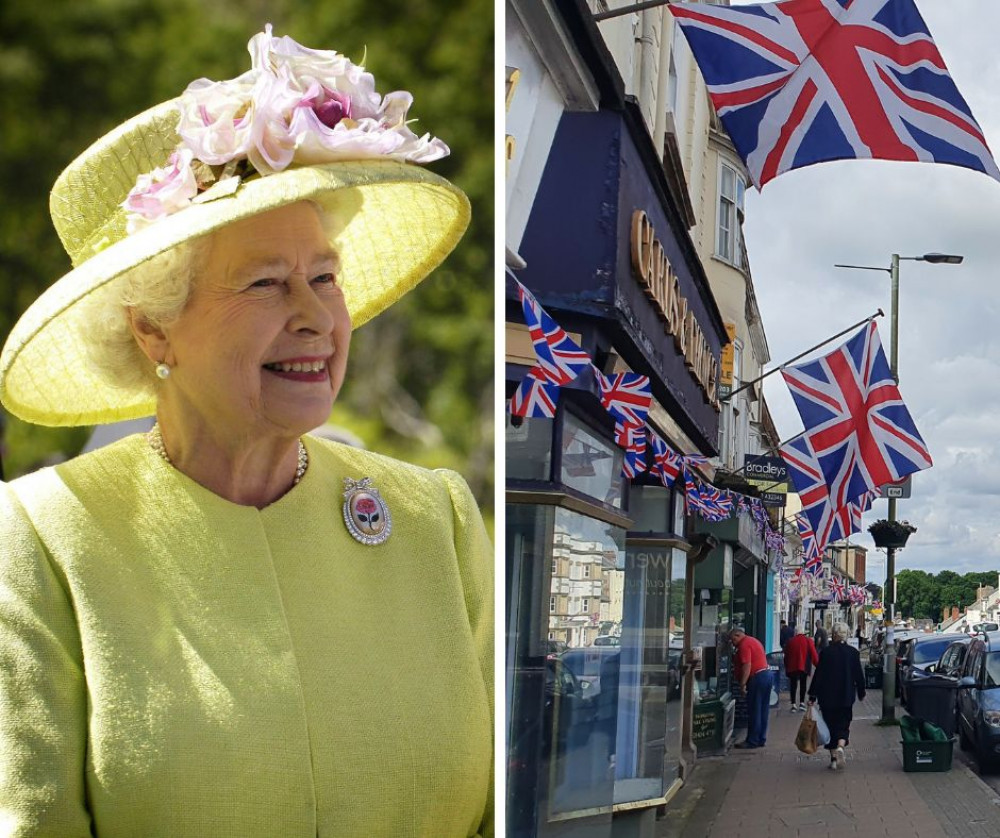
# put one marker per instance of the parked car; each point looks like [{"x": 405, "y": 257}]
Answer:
[
  {"x": 978, "y": 704},
  {"x": 878, "y": 641},
  {"x": 953, "y": 658},
  {"x": 983, "y": 628},
  {"x": 916, "y": 655}
]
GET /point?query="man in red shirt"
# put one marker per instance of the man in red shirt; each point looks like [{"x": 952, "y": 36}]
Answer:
[{"x": 753, "y": 679}]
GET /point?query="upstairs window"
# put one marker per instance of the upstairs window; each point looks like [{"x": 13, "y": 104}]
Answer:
[{"x": 729, "y": 235}]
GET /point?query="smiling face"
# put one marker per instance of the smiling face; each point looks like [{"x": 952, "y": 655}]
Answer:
[{"x": 261, "y": 346}]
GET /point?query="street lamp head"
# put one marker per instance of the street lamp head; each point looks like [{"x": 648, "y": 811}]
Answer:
[{"x": 941, "y": 258}]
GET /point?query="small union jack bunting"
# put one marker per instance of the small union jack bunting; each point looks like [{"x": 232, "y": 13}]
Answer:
[
  {"x": 665, "y": 463},
  {"x": 560, "y": 359},
  {"x": 626, "y": 396},
  {"x": 534, "y": 398},
  {"x": 710, "y": 502},
  {"x": 837, "y": 588},
  {"x": 633, "y": 440}
]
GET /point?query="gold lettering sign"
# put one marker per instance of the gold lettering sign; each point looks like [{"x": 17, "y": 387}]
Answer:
[
  {"x": 510, "y": 144},
  {"x": 660, "y": 283},
  {"x": 726, "y": 364}
]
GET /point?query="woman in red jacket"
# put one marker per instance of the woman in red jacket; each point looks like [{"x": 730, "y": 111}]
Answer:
[{"x": 800, "y": 652}]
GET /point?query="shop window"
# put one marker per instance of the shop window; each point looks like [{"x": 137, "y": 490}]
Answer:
[
  {"x": 590, "y": 464},
  {"x": 529, "y": 448},
  {"x": 580, "y": 712},
  {"x": 649, "y": 675},
  {"x": 650, "y": 508},
  {"x": 675, "y": 646}
]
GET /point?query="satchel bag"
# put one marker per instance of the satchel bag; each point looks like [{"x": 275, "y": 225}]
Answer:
[{"x": 806, "y": 739}]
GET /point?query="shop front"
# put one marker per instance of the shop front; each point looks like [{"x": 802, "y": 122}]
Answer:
[{"x": 598, "y": 589}]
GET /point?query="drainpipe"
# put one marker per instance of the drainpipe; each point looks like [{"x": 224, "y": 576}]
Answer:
[{"x": 663, "y": 83}]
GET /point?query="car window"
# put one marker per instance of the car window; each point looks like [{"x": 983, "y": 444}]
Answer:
[
  {"x": 969, "y": 670},
  {"x": 929, "y": 650},
  {"x": 991, "y": 678},
  {"x": 948, "y": 659}
]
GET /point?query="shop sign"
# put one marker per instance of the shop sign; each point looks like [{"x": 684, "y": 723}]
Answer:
[
  {"x": 726, "y": 363},
  {"x": 769, "y": 474},
  {"x": 660, "y": 283}
]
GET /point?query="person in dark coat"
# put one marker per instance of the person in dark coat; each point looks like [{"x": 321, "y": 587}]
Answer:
[
  {"x": 786, "y": 634},
  {"x": 820, "y": 638},
  {"x": 838, "y": 680}
]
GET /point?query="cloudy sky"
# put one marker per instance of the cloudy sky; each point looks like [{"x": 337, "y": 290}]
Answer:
[{"x": 862, "y": 212}]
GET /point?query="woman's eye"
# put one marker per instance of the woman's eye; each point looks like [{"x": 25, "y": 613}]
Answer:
[
  {"x": 263, "y": 283},
  {"x": 326, "y": 279}
]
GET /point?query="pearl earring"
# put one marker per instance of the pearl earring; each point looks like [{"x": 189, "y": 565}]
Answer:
[{"x": 162, "y": 370}]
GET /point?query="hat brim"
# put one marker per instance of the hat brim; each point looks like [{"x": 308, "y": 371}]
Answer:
[{"x": 395, "y": 222}]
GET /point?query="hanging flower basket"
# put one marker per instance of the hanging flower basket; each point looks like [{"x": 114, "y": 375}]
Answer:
[{"x": 891, "y": 533}]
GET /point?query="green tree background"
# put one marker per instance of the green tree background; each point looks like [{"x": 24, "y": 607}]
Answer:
[
  {"x": 922, "y": 595},
  {"x": 420, "y": 384}
]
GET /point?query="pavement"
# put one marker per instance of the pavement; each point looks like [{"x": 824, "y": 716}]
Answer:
[{"x": 779, "y": 792}]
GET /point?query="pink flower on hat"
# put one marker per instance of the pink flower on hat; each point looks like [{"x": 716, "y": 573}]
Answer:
[
  {"x": 295, "y": 106},
  {"x": 161, "y": 191}
]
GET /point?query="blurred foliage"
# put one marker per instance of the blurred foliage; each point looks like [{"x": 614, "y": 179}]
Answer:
[
  {"x": 420, "y": 382},
  {"x": 923, "y": 595}
]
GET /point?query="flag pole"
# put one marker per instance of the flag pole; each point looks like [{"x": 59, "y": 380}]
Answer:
[{"x": 759, "y": 378}]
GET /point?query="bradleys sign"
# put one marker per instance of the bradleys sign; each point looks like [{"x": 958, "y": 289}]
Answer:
[{"x": 769, "y": 474}]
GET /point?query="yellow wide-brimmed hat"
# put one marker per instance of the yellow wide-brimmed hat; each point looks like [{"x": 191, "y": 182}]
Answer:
[{"x": 197, "y": 163}]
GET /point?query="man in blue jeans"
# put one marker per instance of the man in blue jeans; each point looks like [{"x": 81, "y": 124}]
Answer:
[{"x": 753, "y": 678}]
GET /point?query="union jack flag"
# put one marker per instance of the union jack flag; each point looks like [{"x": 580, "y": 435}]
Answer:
[
  {"x": 534, "y": 398},
  {"x": 666, "y": 464},
  {"x": 809, "y": 548},
  {"x": 814, "y": 565},
  {"x": 826, "y": 524},
  {"x": 626, "y": 396},
  {"x": 856, "y": 424},
  {"x": 560, "y": 359},
  {"x": 837, "y": 588},
  {"x": 807, "y": 81},
  {"x": 633, "y": 440},
  {"x": 713, "y": 504}
]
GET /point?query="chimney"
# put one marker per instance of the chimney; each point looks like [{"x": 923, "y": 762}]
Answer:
[{"x": 954, "y": 612}]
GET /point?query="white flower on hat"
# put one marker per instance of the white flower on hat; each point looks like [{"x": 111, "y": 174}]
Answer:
[{"x": 295, "y": 106}]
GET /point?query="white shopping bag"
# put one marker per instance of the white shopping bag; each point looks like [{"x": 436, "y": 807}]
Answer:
[{"x": 822, "y": 731}]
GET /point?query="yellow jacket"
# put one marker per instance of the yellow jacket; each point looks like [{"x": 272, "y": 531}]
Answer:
[{"x": 173, "y": 664}]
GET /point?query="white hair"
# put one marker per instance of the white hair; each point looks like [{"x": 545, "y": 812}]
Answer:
[
  {"x": 840, "y": 632},
  {"x": 157, "y": 291}
]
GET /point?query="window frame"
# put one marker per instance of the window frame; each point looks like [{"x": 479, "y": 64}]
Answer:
[{"x": 731, "y": 254}]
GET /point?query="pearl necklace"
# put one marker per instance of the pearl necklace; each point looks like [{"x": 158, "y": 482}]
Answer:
[{"x": 155, "y": 439}]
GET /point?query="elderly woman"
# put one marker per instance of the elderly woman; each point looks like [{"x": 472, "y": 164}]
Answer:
[
  {"x": 838, "y": 680},
  {"x": 226, "y": 627}
]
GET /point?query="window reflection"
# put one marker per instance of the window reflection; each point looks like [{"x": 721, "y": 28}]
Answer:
[
  {"x": 585, "y": 638},
  {"x": 590, "y": 464}
]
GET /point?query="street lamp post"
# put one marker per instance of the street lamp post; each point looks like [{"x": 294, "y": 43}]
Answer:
[{"x": 889, "y": 592}]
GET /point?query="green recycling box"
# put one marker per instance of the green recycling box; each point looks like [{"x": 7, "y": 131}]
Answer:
[{"x": 928, "y": 755}]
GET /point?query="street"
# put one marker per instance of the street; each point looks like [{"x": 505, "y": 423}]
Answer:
[{"x": 778, "y": 792}]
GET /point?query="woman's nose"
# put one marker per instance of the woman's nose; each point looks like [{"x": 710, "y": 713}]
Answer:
[{"x": 308, "y": 310}]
